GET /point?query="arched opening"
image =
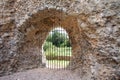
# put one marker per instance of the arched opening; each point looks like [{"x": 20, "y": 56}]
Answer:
[
  {"x": 57, "y": 49},
  {"x": 31, "y": 36}
]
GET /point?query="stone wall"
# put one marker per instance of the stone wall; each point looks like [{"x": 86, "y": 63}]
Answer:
[{"x": 92, "y": 25}]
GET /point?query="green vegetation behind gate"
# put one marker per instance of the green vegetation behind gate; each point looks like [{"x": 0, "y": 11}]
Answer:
[
  {"x": 57, "y": 53},
  {"x": 62, "y": 51},
  {"x": 57, "y": 44},
  {"x": 57, "y": 49},
  {"x": 58, "y": 39}
]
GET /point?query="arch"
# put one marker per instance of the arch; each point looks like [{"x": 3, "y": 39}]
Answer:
[{"x": 33, "y": 32}]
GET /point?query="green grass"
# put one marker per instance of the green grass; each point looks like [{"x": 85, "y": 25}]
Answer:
[
  {"x": 58, "y": 51},
  {"x": 51, "y": 50},
  {"x": 60, "y": 63}
]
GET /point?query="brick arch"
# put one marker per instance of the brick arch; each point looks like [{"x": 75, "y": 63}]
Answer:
[{"x": 33, "y": 33}]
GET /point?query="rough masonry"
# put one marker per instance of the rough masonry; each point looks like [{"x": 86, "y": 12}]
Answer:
[{"x": 93, "y": 27}]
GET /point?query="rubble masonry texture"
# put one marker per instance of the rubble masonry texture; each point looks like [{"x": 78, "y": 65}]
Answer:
[{"x": 92, "y": 25}]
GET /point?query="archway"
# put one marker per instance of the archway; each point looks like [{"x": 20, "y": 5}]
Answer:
[
  {"x": 33, "y": 33},
  {"x": 57, "y": 49}
]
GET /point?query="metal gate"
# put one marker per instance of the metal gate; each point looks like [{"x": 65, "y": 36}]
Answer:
[{"x": 57, "y": 49}]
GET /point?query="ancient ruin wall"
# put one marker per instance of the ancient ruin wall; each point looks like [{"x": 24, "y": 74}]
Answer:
[{"x": 96, "y": 34}]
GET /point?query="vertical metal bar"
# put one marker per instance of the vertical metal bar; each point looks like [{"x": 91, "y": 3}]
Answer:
[
  {"x": 58, "y": 54},
  {"x": 60, "y": 51},
  {"x": 51, "y": 55},
  {"x": 49, "y": 61},
  {"x": 65, "y": 53},
  {"x": 52, "y": 52}
]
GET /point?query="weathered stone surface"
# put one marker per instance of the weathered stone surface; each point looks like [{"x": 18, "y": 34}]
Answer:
[{"x": 92, "y": 25}]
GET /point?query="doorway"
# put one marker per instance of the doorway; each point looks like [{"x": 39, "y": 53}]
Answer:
[{"x": 57, "y": 49}]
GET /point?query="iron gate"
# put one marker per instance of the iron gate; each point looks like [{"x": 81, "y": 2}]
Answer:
[{"x": 57, "y": 49}]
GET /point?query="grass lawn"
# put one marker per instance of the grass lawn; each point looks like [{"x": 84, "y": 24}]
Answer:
[
  {"x": 58, "y": 51},
  {"x": 57, "y": 63}
]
